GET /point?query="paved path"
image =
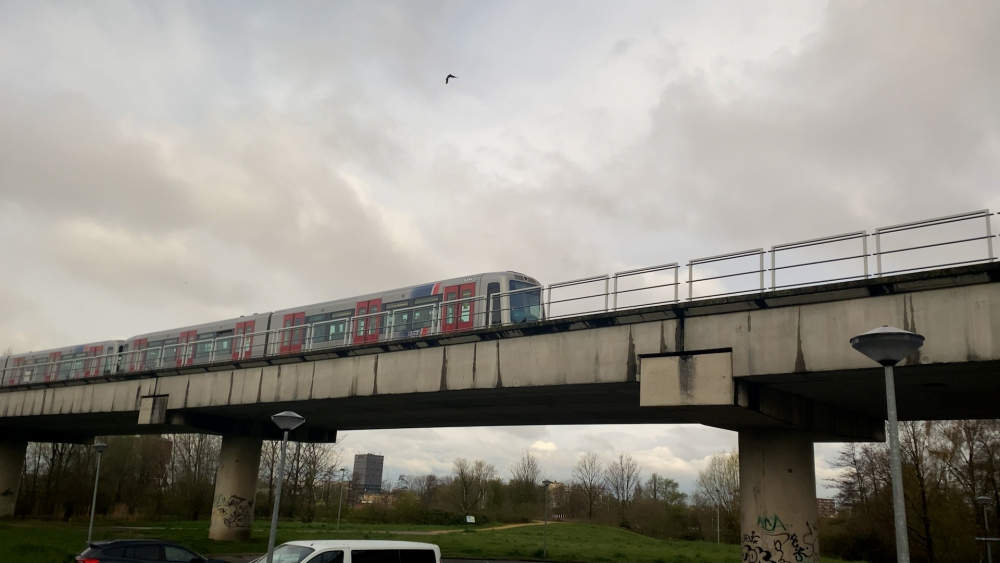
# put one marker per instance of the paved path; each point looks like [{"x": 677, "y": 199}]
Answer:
[{"x": 439, "y": 532}]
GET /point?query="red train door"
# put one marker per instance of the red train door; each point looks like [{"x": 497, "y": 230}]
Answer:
[
  {"x": 14, "y": 377},
  {"x": 92, "y": 365},
  {"x": 459, "y": 307},
  {"x": 291, "y": 340},
  {"x": 52, "y": 368},
  {"x": 366, "y": 328},
  {"x": 243, "y": 340},
  {"x": 186, "y": 347}
]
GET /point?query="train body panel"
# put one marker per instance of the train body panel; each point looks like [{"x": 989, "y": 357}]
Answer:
[
  {"x": 59, "y": 364},
  {"x": 451, "y": 305},
  {"x": 231, "y": 339}
]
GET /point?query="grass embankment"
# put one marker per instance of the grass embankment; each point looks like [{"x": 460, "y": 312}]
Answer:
[{"x": 48, "y": 542}]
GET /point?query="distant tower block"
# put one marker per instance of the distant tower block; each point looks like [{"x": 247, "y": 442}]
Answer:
[{"x": 368, "y": 473}]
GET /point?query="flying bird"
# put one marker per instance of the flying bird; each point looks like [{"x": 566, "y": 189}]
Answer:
[{"x": 446, "y": 78}]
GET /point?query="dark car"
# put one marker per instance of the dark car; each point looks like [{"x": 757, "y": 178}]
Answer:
[{"x": 139, "y": 551}]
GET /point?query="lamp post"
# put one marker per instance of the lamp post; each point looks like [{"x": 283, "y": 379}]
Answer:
[
  {"x": 718, "y": 524},
  {"x": 99, "y": 448},
  {"x": 985, "y": 501},
  {"x": 341, "y": 501},
  {"x": 545, "y": 522},
  {"x": 889, "y": 346},
  {"x": 286, "y": 421}
]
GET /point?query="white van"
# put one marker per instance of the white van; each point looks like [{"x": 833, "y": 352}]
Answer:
[{"x": 355, "y": 551}]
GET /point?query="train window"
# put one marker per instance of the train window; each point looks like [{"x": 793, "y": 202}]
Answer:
[
  {"x": 153, "y": 356},
  {"x": 361, "y": 321},
  {"x": 449, "y": 315},
  {"x": 466, "y": 305},
  {"x": 372, "y": 326},
  {"x": 401, "y": 320},
  {"x": 525, "y": 306},
  {"x": 493, "y": 302},
  {"x": 203, "y": 348}
]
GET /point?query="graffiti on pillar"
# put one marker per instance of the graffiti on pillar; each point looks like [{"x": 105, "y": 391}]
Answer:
[
  {"x": 7, "y": 493},
  {"x": 236, "y": 511},
  {"x": 771, "y": 524},
  {"x": 779, "y": 547}
]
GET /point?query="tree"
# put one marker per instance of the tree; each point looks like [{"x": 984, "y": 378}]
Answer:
[
  {"x": 588, "y": 474},
  {"x": 526, "y": 473},
  {"x": 719, "y": 486},
  {"x": 623, "y": 477},
  {"x": 664, "y": 489},
  {"x": 471, "y": 483}
]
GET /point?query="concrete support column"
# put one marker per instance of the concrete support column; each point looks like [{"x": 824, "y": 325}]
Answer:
[
  {"x": 235, "y": 488},
  {"x": 12, "y": 454},
  {"x": 778, "y": 511}
]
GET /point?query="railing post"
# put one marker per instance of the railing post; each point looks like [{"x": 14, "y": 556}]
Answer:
[
  {"x": 614, "y": 306},
  {"x": 864, "y": 251},
  {"x": 989, "y": 237},
  {"x": 606, "y": 280},
  {"x": 878, "y": 253},
  {"x": 774, "y": 283},
  {"x": 690, "y": 281},
  {"x": 677, "y": 269},
  {"x": 762, "y": 270}
]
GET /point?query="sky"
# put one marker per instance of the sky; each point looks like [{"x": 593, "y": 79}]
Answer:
[{"x": 165, "y": 164}]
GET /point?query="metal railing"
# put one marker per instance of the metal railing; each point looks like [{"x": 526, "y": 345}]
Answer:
[{"x": 591, "y": 295}]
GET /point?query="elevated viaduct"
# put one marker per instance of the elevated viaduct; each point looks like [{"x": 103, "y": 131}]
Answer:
[{"x": 775, "y": 366}]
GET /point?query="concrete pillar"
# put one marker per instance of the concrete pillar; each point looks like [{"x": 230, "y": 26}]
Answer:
[
  {"x": 778, "y": 510},
  {"x": 12, "y": 454},
  {"x": 235, "y": 488}
]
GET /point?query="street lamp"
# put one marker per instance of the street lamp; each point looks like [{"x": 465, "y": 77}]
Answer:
[
  {"x": 545, "y": 523},
  {"x": 718, "y": 525},
  {"x": 286, "y": 421},
  {"x": 99, "y": 448},
  {"x": 341, "y": 501},
  {"x": 889, "y": 346},
  {"x": 985, "y": 501}
]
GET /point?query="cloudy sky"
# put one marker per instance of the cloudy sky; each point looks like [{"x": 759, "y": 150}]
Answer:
[{"x": 163, "y": 164}]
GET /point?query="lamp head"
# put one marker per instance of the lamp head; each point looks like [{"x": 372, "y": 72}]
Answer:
[
  {"x": 887, "y": 345},
  {"x": 984, "y": 500},
  {"x": 546, "y": 482},
  {"x": 99, "y": 447},
  {"x": 287, "y": 420}
]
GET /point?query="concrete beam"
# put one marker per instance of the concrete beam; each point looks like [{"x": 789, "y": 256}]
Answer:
[
  {"x": 12, "y": 454},
  {"x": 705, "y": 379},
  {"x": 235, "y": 489},
  {"x": 778, "y": 511}
]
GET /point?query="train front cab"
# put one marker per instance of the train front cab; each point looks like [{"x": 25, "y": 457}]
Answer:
[{"x": 512, "y": 298}]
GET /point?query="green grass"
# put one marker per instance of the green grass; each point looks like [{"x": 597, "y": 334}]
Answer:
[{"x": 49, "y": 542}]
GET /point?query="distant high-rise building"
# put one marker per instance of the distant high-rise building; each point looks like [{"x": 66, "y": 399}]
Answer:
[
  {"x": 368, "y": 473},
  {"x": 827, "y": 507}
]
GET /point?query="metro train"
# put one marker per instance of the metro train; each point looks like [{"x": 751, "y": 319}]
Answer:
[{"x": 476, "y": 301}]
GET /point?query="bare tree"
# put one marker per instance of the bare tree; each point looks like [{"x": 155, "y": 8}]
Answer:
[
  {"x": 526, "y": 469},
  {"x": 623, "y": 477},
  {"x": 526, "y": 473},
  {"x": 471, "y": 482},
  {"x": 719, "y": 485},
  {"x": 193, "y": 469},
  {"x": 588, "y": 473}
]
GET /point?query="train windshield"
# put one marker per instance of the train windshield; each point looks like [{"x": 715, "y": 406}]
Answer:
[{"x": 525, "y": 306}]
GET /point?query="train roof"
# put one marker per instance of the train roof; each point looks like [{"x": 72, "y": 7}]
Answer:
[{"x": 73, "y": 348}]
